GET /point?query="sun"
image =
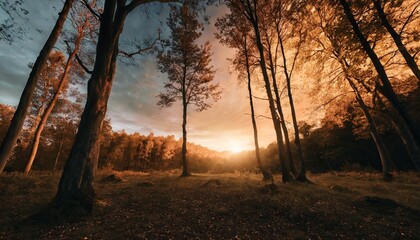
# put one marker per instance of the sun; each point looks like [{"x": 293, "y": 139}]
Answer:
[{"x": 236, "y": 148}]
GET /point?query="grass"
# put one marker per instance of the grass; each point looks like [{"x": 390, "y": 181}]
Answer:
[{"x": 223, "y": 206}]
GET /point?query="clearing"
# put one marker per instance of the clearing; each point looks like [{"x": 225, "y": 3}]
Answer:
[{"x": 219, "y": 206}]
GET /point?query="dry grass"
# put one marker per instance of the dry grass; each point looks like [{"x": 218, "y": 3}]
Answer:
[{"x": 222, "y": 206}]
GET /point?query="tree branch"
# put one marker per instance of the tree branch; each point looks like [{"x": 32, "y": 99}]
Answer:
[
  {"x": 141, "y": 50},
  {"x": 80, "y": 62},
  {"x": 94, "y": 13}
]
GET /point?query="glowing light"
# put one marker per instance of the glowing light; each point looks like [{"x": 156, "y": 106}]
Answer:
[{"x": 235, "y": 148}]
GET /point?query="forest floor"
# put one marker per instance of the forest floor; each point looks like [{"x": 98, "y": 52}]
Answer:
[{"x": 219, "y": 206}]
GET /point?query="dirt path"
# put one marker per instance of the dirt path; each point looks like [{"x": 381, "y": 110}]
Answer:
[{"x": 165, "y": 206}]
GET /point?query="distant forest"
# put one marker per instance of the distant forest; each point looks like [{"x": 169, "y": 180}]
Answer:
[{"x": 341, "y": 143}]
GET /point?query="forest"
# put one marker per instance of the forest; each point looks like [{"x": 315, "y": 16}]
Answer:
[{"x": 229, "y": 119}]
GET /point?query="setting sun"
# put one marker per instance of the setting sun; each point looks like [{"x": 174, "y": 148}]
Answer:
[{"x": 235, "y": 147}]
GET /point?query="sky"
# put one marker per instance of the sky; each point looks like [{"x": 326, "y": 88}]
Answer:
[{"x": 226, "y": 126}]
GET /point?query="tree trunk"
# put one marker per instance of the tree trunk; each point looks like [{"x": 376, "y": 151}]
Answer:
[
  {"x": 277, "y": 99},
  {"x": 397, "y": 39},
  {"x": 377, "y": 138},
  {"x": 18, "y": 119},
  {"x": 266, "y": 174},
  {"x": 407, "y": 138},
  {"x": 38, "y": 118},
  {"x": 386, "y": 88},
  {"x": 80, "y": 165},
  {"x": 185, "y": 169},
  {"x": 302, "y": 172},
  {"x": 54, "y": 100},
  {"x": 286, "y": 177},
  {"x": 58, "y": 155}
]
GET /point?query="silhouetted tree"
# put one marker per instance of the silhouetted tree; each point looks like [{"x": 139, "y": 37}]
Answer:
[
  {"x": 76, "y": 183},
  {"x": 235, "y": 33},
  {"x": 190, "y": 74},
  {"x": 252, "y": 11}
]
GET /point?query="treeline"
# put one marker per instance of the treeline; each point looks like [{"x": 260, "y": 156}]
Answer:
[{"x": 339, "y": 143}]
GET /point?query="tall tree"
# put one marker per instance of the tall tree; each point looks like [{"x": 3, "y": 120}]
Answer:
[
  {"x": 251, "y": 10},
  {"x": 235, "y": 33},
  {"x": 76, "y": 183},
  {"x": 18, "y": 119},
  {"x": 190, "y": 74},
  {"x": 288, "y": 24},
  {"x": 385, "y": 88}
]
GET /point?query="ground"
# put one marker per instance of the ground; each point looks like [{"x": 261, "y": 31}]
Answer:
[{"x": 227, "y": 206}]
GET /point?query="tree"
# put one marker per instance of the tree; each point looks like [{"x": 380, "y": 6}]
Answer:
[
  {"x": 252, "y": 11},
  {"x": 339, "y": 57},
  {"x": 410, "y": 60},
  {"x": 18, "y": 119},
  {"x": 235, "y": 33},
  {"x": 385, "y": 88},
  {"x": 188, "y": 67},
  {"x": 82, "y": 22},
  {"x": 289, "y": 26},
  {"x": 76, "y": 183}
]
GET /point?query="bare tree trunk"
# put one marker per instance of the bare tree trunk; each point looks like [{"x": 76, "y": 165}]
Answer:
[
  {"x": 302, "y": 172},
  {"x": 286, "y": 177},
  {"x": 76, "y": 183},
  {"x": 38, "y": 118},
  {"x": 377, "y": 138},
  {"x": 185, "y": 169},
  {"x": 54, "y": 100},
  {"x": 397, "y": 39},
  {"x": 266, "y": 174},
  {"x": 18, "y": 119},
  {"x": 386, "y": 88},
  {"x": 407, "y": 138},
  {"x": 277, "y": 99},
  {"x": 288, "y": 147},
  {"x": 58, "y": 155}
]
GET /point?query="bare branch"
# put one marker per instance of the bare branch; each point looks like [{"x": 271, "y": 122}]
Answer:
[
  {"x": 260, "y": 98},
  {"x": 83, "y": 65},
  {"x": 141, "y": 50},
  {"x": 94, "y": 13}
]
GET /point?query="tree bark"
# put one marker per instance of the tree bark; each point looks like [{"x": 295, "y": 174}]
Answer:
[
  {"x": 377, "y": 138},
  {"x": 397, "y": 39},
  {"x": 277, "y": 99},
  {"x": 185, "y": 169},
  {"x": 302, "y": 173},
  {"x": 386, "y": 88},
  {"x": 53, "y": 102},
  {"x": 76, "y": 183},
  {"x": 18, "y": 119},
  {"x": 58, "y": 155},
  {"x": 266, "y": 174},
  {"x": 286, "y": 177},
  {"x": 407, "y": 138}
]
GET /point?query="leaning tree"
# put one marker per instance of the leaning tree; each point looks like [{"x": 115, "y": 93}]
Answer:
[{"x": 9, "y": 141}]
